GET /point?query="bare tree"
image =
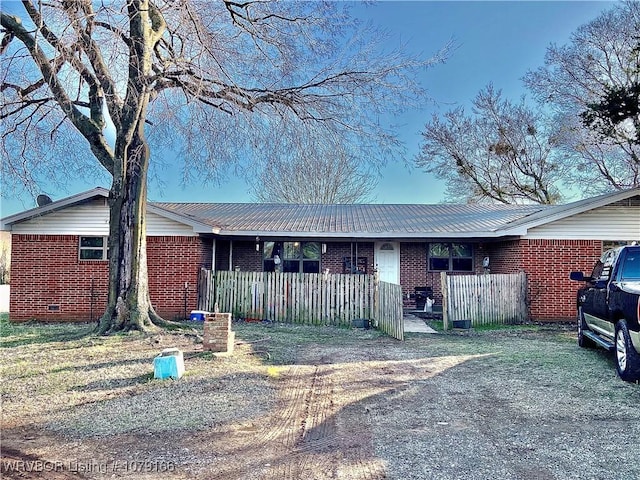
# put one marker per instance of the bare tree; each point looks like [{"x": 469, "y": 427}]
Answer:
[
  {"x": 592, "y": 86},
  {"x": 308, "y": 169},
  {"x": 85, "y": 81},
  {"x": 500, "y": 153}
]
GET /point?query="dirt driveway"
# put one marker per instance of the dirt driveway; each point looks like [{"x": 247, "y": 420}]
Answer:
[{"x": 309, "y": 403}]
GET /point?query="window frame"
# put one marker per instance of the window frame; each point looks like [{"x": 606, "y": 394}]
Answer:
[
  {"x": 104, "y": 248},
  {"x": 451, "y": 257},
  {"x": 301, "y": 260}
]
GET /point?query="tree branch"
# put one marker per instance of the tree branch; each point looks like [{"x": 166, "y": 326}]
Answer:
[
  {"x": 86, "y": 126},
  {"x": 113, "y": 101},
  {"x": 54, "y": 41}
]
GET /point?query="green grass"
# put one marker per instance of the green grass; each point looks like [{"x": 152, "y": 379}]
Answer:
[{"x": 28, "y": 333}]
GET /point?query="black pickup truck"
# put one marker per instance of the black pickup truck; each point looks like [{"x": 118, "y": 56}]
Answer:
[{"x": 609, "y": 307}]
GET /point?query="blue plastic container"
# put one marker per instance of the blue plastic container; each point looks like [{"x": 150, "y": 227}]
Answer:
[
  {"x": 169, "y": 364},
  {"x": 197, "y": 315}
]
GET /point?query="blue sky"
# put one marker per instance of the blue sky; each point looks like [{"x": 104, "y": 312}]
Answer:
[{"x": 497, "y": 42}]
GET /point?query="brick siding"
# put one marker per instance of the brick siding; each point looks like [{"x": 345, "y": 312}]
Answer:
[
  {"x": 246, "y": 258},
  {"x": 552, "y": 296},
  {"x": 504, "y": 257},
  {"x": 547, "y": 263},
  {"x": 173, "y": 263},
  {"x": 413, "y": 270},
  {"x": 333, "y": 259},
  {"x": 47, "y": 273}
]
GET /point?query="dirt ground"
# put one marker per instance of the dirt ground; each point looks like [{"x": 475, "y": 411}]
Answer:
[{"x": 319, "y": 403}]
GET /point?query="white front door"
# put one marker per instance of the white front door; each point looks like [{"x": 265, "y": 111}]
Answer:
[{"x": 387, "y": 258}]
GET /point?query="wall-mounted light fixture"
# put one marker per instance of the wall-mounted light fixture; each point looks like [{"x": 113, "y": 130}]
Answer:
[
  {"x": 257, "y": 244},
  {"x": 324, "y": 248}
]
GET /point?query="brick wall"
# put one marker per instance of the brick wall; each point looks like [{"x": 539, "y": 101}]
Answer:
[
  {"x": 49, "y": 282},
  {"x": 337, "y": 251},
  {"x": 504, "y": 257},
  {"x": 216, "y": 333},
  {"x": 246, "y": 258},
  {"x": 552, "y": 295},
  {"x": 173, "y": 263},
  {"x": 222, "y": 254},
  {"x": 413, "y": 269},
  {"x": 547, "y": 263}
]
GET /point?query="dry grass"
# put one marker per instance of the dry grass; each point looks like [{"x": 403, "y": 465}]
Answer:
[
  {"x": 81, "y": 385},
  {"x": 304, "y": 402}
]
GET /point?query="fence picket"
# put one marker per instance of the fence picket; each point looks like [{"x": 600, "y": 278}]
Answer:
[
  {"x": 318, "y": 299},
  {"x": 484, "y": 299}
]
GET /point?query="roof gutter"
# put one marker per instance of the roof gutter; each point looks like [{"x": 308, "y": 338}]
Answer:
[{"x": 369, "y": 235}]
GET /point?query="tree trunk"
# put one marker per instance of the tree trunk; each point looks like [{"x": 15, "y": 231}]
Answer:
[{"x": 129, "y": 304}]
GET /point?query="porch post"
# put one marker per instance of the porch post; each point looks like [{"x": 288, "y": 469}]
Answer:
[{"x": 213, "y": 256}]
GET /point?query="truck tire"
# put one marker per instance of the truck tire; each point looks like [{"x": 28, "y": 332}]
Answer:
[
  {"x": 583, "y": 341},
  {"x": 627, "y": 359}
]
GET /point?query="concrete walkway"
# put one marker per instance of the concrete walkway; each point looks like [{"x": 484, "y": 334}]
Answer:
[{"x": 413, "y": 324}]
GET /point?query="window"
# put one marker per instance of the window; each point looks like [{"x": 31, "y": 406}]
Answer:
[
  {"x": 631, "y": 266},
  {"x": 301, "y": 257},
  {"x": 450, "y": 257},
  {"x": 93, "y": 248}
]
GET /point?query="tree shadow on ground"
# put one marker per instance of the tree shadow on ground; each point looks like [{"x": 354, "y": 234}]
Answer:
[{"x": 39, "y": 333}]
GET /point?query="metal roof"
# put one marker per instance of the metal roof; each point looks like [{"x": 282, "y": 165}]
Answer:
[
  {"x": 360, "y": 220},
  {"x": 397, "y": 220}
]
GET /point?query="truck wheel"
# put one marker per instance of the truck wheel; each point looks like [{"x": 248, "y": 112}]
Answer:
[
  {"x": 627, "y": 359},
  {"x": 583, "y": 341}
]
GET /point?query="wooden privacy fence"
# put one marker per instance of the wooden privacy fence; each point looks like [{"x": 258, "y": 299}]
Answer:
[
  {"x": 484, "y": 299},
  {"x": 388, "y": 309},
  {"x": 305, "y": 298}
]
